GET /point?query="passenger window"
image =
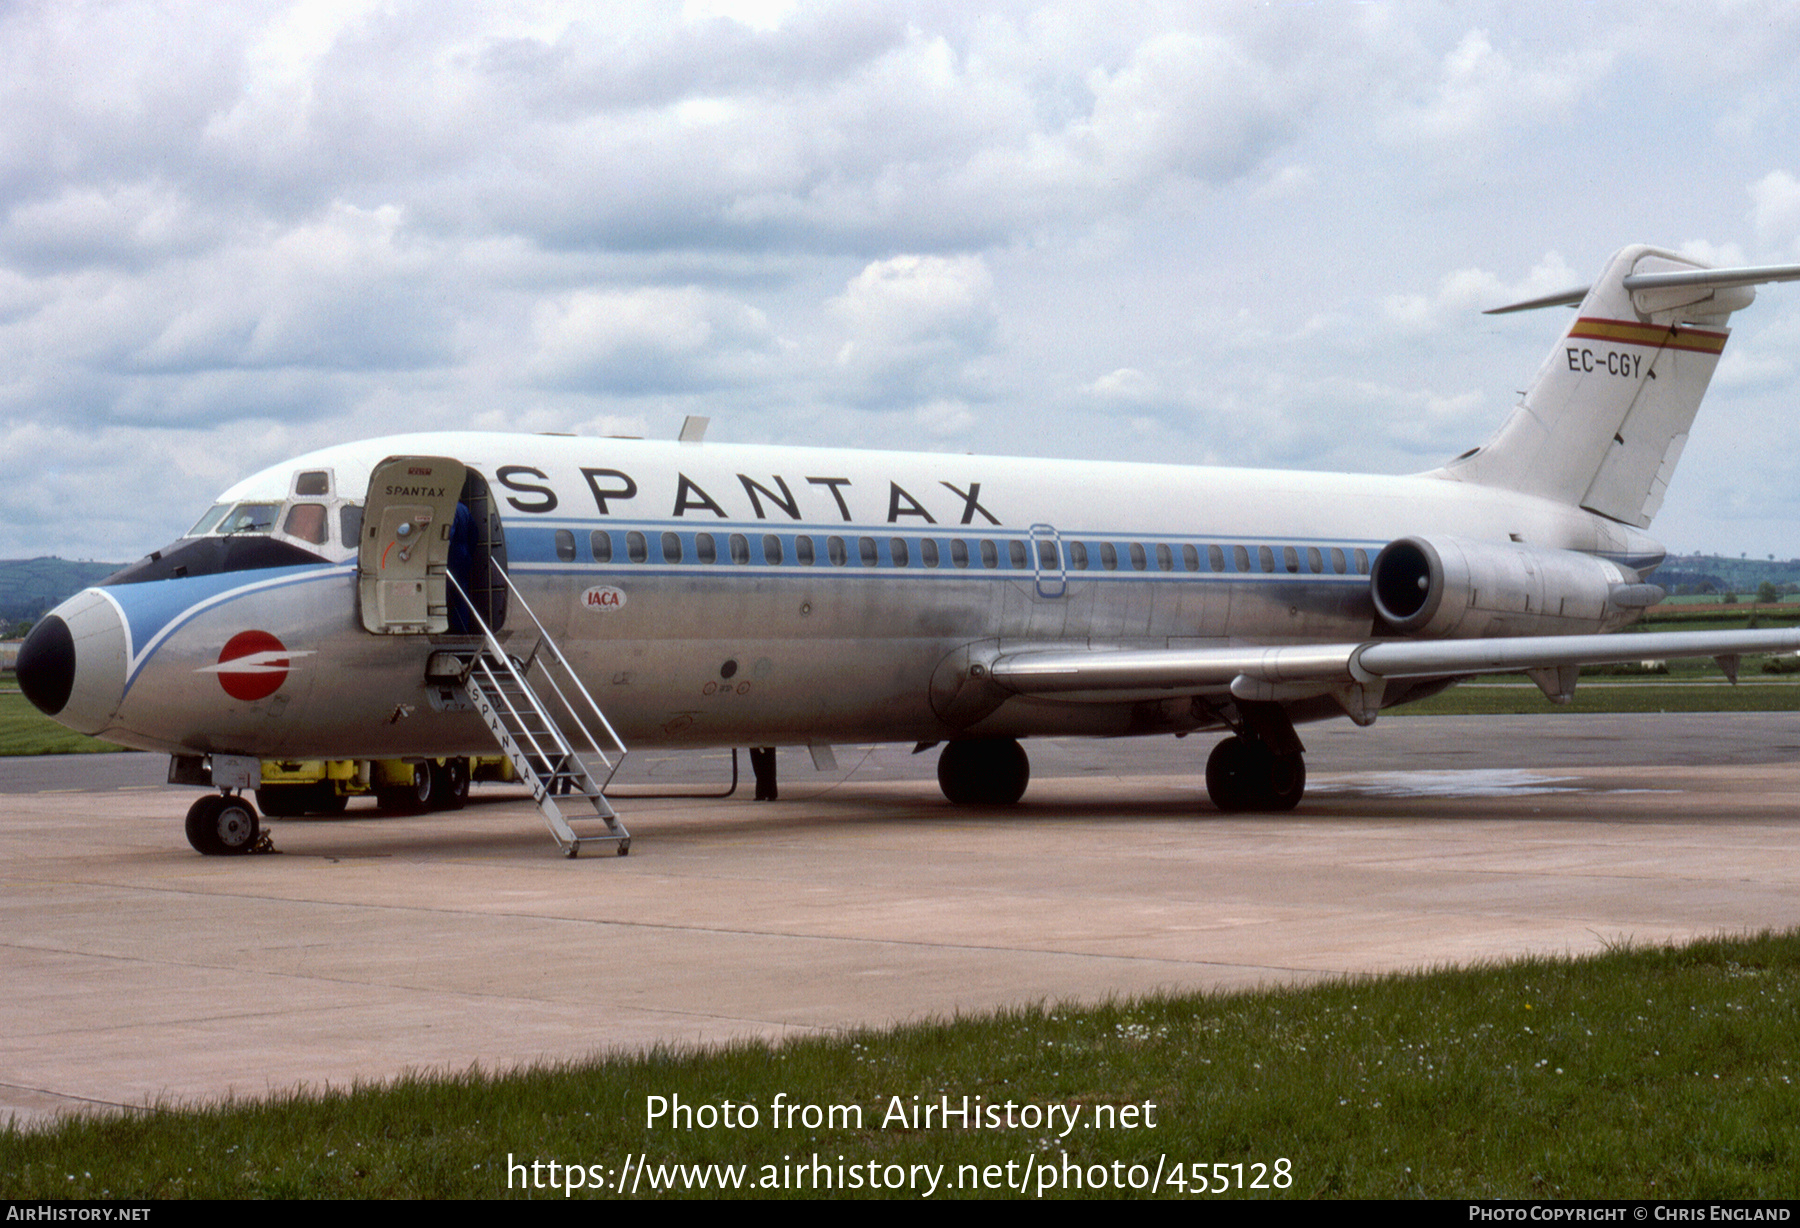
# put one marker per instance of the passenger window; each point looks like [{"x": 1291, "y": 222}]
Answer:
[
  {"x": 803, "y": 550},
  {"x": 1215, "y": 558},
  {"x": 740, "y": 548},
  {"x": 1190, "y": 558},
  {"x": 1078, "y": 556},
  {"x": 635, "y": 547},
  {"x": 1290, "y": 558},
  {"x": 1109, "y": 556},
  {"x": 1240, "y": 558},
  {"x": 834, "y": 547},
  {"x": 1337, "y": 560},
  {"x": 1265, "y": 557},
  {"x": 671, "y": 544},
  {"x": 897, "y": 551},
  {"x": 771, "y": 550},
  {"x": 1046, "y": 554},
  {"x": 600, "y": 545},
  {"x": 959, "y": 552},
  {"x": 1165, "y": 558},
  {"x": 1362, "y": 563},
  {"x": 1315, "y": 563},
  {"x": 307, "y": 522},
  {"x": 1015, "y": 554},
  {"x": 865, "y": 549},
  {"x": 705, "y": 550},
  {"x": 928, "y": 552},
  {"x": 990, "y": 554},
  {"x": 565, "y": 545},
  {"x": 1138, "y": 560}
]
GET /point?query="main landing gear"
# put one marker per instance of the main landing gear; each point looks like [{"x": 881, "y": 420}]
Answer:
[
  {"x": 1244, "y": 774},
  {"x": 223, "y": 825},
  {"x": 984, "y": 772},
  {"x": 1262, "y": 767}
]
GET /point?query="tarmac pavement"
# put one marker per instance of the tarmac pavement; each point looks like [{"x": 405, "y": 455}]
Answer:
[{"x": 139, "y": 972}]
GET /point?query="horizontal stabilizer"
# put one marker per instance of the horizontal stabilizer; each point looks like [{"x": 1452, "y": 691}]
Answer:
[{"x": 1708, "y": 279}]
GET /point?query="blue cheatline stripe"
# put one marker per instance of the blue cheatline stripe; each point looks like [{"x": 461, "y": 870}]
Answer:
[
  {"x": 535, "y": 547},
  {"x": 152, "y": 616}
]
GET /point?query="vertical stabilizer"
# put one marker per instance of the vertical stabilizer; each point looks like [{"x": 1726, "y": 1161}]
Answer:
[{"x": 1605, "y": 419}]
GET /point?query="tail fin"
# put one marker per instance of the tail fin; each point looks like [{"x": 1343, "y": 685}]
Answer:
[{"x": 1605, "y": 419}]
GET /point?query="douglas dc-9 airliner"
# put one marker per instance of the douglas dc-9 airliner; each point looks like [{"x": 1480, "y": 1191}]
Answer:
[{"x": 428, "y": 597}]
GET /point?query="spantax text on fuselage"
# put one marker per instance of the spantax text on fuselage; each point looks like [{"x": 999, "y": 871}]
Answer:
[{"x": 616, "y": 492}]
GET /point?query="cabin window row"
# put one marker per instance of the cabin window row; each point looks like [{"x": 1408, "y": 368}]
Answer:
[{"x": 807, "y": 551}]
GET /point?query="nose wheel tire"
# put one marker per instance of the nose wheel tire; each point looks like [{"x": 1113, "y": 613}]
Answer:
[{"x": 221, "y": 826}]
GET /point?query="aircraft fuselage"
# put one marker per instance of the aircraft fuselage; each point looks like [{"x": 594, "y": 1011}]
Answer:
[{"x": 714, "y": 594}]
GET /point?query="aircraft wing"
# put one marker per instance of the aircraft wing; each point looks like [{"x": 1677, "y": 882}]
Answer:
[{"x": 1355, "y": 672}]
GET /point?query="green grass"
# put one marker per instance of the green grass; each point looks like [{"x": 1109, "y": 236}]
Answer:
[
  {"x": 1524, "y": 699},
  {"x": 26, "y": 731},
  {"x": 1640, "y": 1073}
]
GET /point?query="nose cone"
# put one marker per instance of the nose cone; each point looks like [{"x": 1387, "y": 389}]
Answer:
[
  {"x": 72, "y": 665},
  {"x": 46, "y": 665}
]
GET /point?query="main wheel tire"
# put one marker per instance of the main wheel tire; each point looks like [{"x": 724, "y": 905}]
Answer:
[
  {"x": 407, "y": 799},
  {"x": 984, "y": 772},
  {"x": 450, "y": 784},
  {"x": 223, "y": 826},
  {"x": 1228, "y": 772},
  {"x": 1286, "y": 782},
  {"x": 1242, "y": 775}
]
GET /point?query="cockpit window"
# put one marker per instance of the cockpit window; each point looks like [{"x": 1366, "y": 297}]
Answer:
[
  {"x": 307, "y": 522},
  {"x": 207, "y": 522},
  {"x": 249, "y": 518},
  {"x": 250, "y": 536}
]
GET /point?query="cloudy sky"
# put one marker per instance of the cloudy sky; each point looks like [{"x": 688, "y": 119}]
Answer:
[{"x": 1255, "y": 234}]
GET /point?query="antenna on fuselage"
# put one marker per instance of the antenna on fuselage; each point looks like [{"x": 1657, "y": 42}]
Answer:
[{"x": 693, "y": 428}]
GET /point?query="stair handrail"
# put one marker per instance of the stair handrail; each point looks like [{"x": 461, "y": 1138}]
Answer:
[{"x": 545, "y": 641}]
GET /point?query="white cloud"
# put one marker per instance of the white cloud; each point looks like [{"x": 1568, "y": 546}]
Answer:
[
  {"x": 913, "y": 323},
  {"x": 1775, "y": 202},
  {"x": 1479, "y": 91},
  {"x": 650, "y": 339},
  {"x": 1240, "y": 232}
]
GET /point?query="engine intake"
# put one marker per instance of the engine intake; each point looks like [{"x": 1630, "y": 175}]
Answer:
[{"x": 1448, "y": 587}]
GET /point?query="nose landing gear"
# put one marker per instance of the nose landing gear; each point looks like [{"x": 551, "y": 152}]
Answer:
[{"x": 223, "y": 825}]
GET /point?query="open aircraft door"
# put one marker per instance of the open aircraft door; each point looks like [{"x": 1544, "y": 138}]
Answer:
[{"x": 409, "y": 519}]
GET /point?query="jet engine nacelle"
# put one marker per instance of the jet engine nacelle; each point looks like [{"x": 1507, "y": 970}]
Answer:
[{"x": 1448, "y": 587}]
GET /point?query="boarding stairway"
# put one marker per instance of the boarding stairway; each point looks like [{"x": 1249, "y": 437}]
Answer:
[{"x": 559, "y": 755}]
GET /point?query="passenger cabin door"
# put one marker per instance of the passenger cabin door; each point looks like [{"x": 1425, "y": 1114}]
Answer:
[{"x": 408, "y": 521}]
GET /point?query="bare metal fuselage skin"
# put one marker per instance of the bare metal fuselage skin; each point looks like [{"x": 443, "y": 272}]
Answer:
[{"x": 918, "y": 562}]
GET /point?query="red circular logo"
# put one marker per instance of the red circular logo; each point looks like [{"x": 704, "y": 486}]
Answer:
[{"x": 252, "y": 665}]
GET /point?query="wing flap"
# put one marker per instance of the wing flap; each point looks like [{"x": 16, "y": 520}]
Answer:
[{"x": 1111, "y": 675}]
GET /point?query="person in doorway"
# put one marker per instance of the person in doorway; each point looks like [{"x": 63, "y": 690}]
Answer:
[{"x": 762, "y": 763}]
